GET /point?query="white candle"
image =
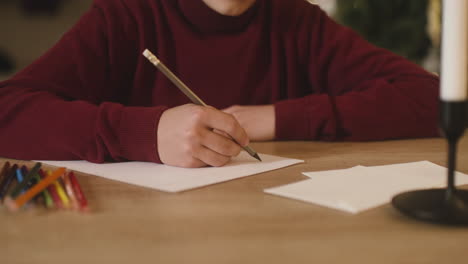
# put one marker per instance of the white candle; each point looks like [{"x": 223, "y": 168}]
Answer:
[{"x": 454, "y": 51}]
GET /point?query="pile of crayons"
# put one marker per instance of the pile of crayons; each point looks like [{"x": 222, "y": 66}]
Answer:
[{"x": 57, "y": 189}]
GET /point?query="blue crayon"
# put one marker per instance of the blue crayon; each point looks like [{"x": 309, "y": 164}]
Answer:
[
  {"x": 19, "y": 177},
  {"x": 20, "y": 173}
]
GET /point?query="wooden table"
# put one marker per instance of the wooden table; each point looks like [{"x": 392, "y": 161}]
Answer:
[{"x": 235, "y": 222}]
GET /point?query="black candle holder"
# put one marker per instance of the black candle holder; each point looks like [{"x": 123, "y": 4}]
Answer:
[{"x": 445, "y": 206}]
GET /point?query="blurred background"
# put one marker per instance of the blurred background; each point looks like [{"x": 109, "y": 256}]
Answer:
[
  {"x": 410, "y": 28},
  {"x": 29, "y": 27}
]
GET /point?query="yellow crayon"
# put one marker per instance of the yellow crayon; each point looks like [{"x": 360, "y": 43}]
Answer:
[{"x": 62, "y": 194}]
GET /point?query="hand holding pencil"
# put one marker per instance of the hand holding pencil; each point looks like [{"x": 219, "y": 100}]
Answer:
[{"x": 187, "y": 134}]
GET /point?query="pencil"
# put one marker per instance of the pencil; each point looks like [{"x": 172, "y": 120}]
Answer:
[
  {"x": 14, "y": 204},
  {"x": 186, "y": 90}
]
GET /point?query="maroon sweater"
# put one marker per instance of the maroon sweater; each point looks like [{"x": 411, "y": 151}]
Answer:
[{"x": 93, "y": 96}]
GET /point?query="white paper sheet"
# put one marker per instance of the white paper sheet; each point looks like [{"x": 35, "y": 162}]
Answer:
[
  {"x": 360, "y": 188},
  {"x": 174, "y": 179}
]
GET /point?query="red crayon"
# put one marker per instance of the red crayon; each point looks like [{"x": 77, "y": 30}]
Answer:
[
  {"x": 70, "y": 191},
  {"x": 78, "y": 192}
]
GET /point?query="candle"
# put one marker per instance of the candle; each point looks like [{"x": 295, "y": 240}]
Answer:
[{"x": 454, "y": 51}]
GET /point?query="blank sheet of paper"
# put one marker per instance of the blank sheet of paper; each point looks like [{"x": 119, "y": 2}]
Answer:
[
  {"x": 174, "y": 179},
  {"x": 360, "y": 188}
]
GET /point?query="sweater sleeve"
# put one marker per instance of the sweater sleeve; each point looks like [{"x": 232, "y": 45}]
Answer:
[
  {"x": 69, "y": 104},
  {"x": 359, "y": 91}
]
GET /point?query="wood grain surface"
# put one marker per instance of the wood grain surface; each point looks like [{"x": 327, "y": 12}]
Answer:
[{"x": 235, "y": 222}]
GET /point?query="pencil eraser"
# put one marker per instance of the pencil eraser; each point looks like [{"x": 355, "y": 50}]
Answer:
[{"x": 146, "y": 53}]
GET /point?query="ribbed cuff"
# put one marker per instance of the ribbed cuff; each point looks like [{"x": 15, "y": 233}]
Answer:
[
  {"x": 138, "y": 133},
  {"x": 306, "y": 118},
  {"x": 291, "y": 120}
]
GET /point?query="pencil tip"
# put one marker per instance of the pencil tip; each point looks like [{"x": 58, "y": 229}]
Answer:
[{"x": 257, "y": 157}]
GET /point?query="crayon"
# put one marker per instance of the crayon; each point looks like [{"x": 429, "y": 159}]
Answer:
[
  {"x": 70, "y": 192},
  {"x": 78, "y": 192},
  {"x": 14, "y": 204},
  {"x": 62, "y": 194},
  {"x": 49, "y": 203},
  {"x": 39, "y": 198},
  {"x": 4, "y": 171},
  {"x": 52, "y": 191},
  {"x": 5, "y": 184},
  {"x": 19, "y": 177},
  {"x": 20, "y": 173},
  {"x": 25, "y": 171},
  {"x": 25, "y": 181}
]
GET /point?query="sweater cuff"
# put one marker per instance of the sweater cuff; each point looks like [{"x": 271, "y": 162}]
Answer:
[
  {"x": 138, "y": 133},
  {"x": 306, "y": 118},
  {"x": 291, "y": 122}
]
